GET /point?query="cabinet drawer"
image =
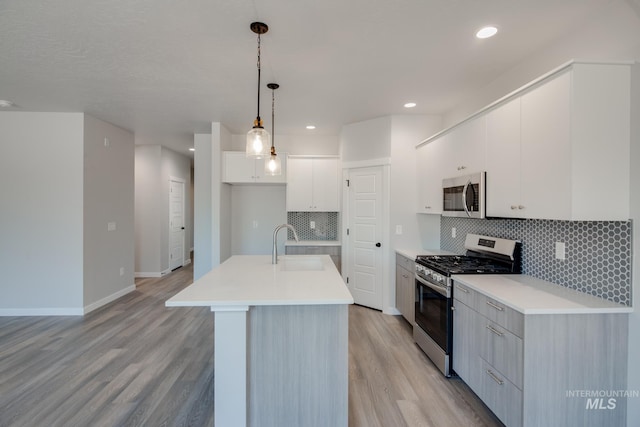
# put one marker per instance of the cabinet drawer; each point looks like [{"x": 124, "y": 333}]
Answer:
[
  {"x": 501, "y": 314},
  {"x": 406, "y": 263},
  {"x": 502, "y": 349},
  {"x": 501, "y": 396},
  {"x": 466, "y": 295}
]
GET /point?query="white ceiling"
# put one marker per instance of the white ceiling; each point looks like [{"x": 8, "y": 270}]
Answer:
[{"x": 166, "y": 69}]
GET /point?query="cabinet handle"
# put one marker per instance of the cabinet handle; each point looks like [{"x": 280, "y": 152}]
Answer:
[
  {"x": 461, "y": 167},
  {"x": 520, "y": 207},
  {"x": 463, "y": 289},
  {"x": 497, "y": 307},
  {"x": 427, "y": 207},
  {"x": 514, "y": 207},
  {"x": 495, "y": 331},
  {"x": 405, "y": 276},
  {"x": 494, "y": 377}
]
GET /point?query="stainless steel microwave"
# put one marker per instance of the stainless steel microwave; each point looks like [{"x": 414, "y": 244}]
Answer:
[{"x": 464, "y": 196}]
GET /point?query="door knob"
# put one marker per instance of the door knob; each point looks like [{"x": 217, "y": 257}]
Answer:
[{"x": 378, "y": 245}]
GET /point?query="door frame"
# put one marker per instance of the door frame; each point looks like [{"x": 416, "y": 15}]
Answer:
[
  {"x": 184, "y": 228},
  {"x": 388, "y": 296}
]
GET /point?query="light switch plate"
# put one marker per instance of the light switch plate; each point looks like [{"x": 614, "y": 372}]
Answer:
[
  {"x": 398, "y": 229},
  {"x": 453, "y": 232},
  {"x": 312, "y": 225}
]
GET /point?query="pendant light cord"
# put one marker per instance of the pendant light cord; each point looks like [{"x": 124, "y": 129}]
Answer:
[
  {"x": 258, "y": 114},
  {"x": 273, "y": 120}
]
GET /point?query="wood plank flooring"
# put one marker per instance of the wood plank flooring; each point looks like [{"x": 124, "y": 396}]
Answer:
[{"x": 135, "y": 362}]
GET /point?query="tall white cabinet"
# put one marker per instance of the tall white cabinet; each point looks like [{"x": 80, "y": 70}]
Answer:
[{"x": 313, "y": 184}]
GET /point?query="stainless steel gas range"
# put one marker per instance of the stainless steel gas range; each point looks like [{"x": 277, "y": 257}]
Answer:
[{"x": 433, "y": 330}]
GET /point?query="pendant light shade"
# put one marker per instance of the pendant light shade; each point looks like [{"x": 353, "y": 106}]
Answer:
[
  {"x": 273, "y": 165},
  {"x": 258, "y": 139}
]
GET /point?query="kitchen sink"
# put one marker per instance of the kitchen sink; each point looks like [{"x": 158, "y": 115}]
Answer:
[{"x": 301, "y": 263}]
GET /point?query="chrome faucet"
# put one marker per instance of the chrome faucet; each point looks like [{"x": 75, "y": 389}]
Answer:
[{"x": 274, "y": 251}]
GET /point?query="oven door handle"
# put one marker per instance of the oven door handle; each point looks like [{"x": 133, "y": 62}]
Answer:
[{"x": 442, "y": 290}]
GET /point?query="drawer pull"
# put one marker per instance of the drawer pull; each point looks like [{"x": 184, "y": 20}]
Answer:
[
  {"x": 494, "y": 377},
  {"x": 495, "y": 331},
  {"x": 466, "y": 291},
  {"x": 497, "y": 307}
]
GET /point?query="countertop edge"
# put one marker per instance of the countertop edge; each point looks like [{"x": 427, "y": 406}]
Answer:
[{"x": 608, "y": 307}]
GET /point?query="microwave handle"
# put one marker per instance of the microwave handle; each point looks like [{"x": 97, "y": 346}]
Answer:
[{"x": 464, "y": 198}]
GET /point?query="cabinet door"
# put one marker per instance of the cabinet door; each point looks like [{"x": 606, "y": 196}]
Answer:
[
  {"x": 299, "y": 185},
  {"x": 262, "y": 177},
  {"x": 405, "y": 294},
  {"x": 546, "y": 150},
  {"x": 465, "y": 352},
  {"x": 429, "y": 172},
  {"x": 503, "y": 160},
  {"x": 325, "y": 185},
  {"x": 237, "y": 168},
  {"x": 465, "y": 151}
]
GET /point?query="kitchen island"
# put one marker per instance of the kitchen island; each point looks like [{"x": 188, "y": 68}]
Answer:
[{"x": 281, "y": 340}]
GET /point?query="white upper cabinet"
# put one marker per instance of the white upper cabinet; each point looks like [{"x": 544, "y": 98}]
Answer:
[
  {"x": 503, "y": 160},
  {"x": 560, "y": 149},
  {"x": 238, "y": 169},
  {"x": 464, "y": 153},
  {"x": 546, "y": 151},
  {"x": 430, "y": 172},
  {"x": 313, "y": 185}
]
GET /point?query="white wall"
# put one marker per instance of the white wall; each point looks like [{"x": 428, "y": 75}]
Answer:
[
  {"x": 108, "y": 197},
  {"x": 203, "y": 208},
  {"x": 41, "y": 169},
  {"x": 264, "y": 204},
  {"x": 147, "y": 206},
  {"x": 366, "y": 140},
  {"x": 212, "y": 201}
]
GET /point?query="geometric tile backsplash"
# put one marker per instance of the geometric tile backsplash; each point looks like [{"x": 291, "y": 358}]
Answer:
[
  {"x": 326, "y": 225},
  {"x": 598, "y": 253}
]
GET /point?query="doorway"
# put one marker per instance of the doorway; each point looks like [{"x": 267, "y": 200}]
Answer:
[{"x": 176, "y": 223}]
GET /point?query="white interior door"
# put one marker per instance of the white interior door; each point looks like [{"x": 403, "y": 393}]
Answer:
[
  {"x": 365, "y": 236},
  {"x": 176, "y": 223}
]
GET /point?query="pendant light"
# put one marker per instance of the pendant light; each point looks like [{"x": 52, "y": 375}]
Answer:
[
  {"x": 258, "y": 139},
  {"x": 272, "y": 164}
]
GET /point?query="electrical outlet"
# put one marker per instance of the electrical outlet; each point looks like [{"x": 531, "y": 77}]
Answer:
[
  {"x": 560, "y": 250},
  {"x": 312, "y": 225},
  {"x": 122, "y": 271},
  {"x": 398, "y": 229},
  {"x": 106, "y": 142},
  {"x": 255, "y": 223},
  {"x": 111, "y": 226},
  {"x": 453, "y": 232}
]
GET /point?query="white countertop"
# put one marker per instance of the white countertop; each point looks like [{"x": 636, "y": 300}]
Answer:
[
  {"x": 313, "y": 243},
  {"x": 529, "y": 295},
  {"x": 248, "y": 280}
]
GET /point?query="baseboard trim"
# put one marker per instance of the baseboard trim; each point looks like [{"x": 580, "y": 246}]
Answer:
[
  {"x": 187, "y": 262},
  {"x": 106, "y": 300},
  {"x": 143, "y": 274},
  {"x": 391, "y": 311},
  {"x": 22, "y": 312}
]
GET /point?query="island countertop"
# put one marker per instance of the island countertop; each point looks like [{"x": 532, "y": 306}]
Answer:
[{"x": 251, "y": 280}]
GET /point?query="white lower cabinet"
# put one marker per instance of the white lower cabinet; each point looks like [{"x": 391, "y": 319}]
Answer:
[{"x": 526, "y": 367}]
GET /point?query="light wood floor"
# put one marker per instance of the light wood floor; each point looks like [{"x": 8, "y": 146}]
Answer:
[{"x": 135, "y": 362}]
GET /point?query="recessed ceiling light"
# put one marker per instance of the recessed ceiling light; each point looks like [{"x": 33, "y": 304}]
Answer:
[
  {"x": 192, "y": 149},
  {"x": 486, "y": 32},
  {"x": 6, "y": 104},
  {"x": 409, "y": 105},
  {"x": 311, "y": 127}
]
